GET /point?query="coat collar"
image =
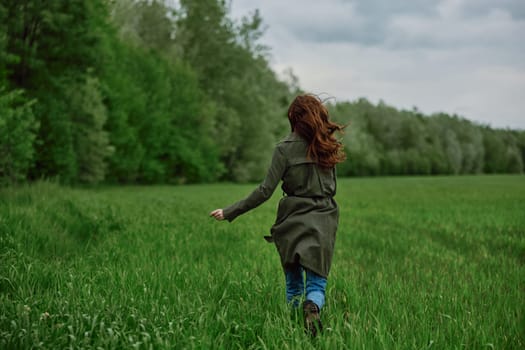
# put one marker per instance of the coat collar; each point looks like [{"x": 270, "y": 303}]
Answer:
[{"x": 293, "y": 137}]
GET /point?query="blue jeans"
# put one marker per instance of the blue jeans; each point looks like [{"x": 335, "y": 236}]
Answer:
[{"x": 315, "y": 286}]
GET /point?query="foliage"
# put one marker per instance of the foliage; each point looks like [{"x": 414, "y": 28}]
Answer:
[
  {"x": 381, "y": 140},
  {"x": 419, "y": 262},
  {"x": 147, "y": 91},
  {"x": 250, "y": 102},
  {"x": 17, "y": 135},
  {"x": 17, "y": 121},
  {"x": 52, "y": 45},
  {"x": 91, "y": 143}
]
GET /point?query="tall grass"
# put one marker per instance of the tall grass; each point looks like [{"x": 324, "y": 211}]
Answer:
[{"x": 434, "y": 262}]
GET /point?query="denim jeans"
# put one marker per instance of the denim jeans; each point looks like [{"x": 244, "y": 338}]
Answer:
[{"x": 295, "y": 287}]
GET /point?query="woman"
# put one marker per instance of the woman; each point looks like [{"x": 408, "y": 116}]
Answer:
[{"x": 307, "y": 218}]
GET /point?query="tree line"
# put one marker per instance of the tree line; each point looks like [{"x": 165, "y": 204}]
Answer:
[
  {"x": 381, "y": 140},
  {"x": 131, "y": 91}
]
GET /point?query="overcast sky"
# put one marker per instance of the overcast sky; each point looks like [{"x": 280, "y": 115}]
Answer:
[{"x": 457, "y": 56}]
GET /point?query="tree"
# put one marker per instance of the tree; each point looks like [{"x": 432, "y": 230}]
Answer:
[
  {"x": 154, "y": 101},
  {"x": 232, "y": 71},
  {"x": 140, "y": 91},
  {"x": 17, "y": 135},
  {"x": 495, "y": 149},
  {"x": 91, "y": 141},
  {"x": 53, "y": 44}
]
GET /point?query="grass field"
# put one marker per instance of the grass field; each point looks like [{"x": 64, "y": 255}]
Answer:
[{"x": 420, "y": 262}]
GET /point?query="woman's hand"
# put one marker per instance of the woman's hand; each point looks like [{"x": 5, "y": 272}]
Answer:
[{"x": 217, "y": 214}]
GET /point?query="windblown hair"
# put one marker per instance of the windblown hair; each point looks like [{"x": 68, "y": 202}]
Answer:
[{"x": 309, "y": 118}]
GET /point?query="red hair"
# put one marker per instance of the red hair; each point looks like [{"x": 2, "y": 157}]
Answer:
[{"x": 309, "y": 118}]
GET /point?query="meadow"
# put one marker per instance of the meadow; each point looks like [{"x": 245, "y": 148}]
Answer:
[{"x": 420, "y": 263}]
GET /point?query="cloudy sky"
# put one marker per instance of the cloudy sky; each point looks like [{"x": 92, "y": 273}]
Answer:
[{"x": 458, "y": 56}]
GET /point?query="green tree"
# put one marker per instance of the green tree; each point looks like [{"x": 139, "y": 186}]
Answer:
[
  {"x": 364, "y": 154},
  {"x": 125, "y": 104},
  {"x": 52, "y": 45},
  {"x": 91, "y": 141},
  {"x": 495, "y": 150},
  {"x": 17, "y": 135},
  {"x": 4, "y": 55},
  {"x": 175, "y": 138},
  {"x": 249, "y": 102},
  {"x": 514, "y": 161},
  {"x": 520, "y": 144}
]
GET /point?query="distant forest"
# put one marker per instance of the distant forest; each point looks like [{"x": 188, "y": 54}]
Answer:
[{"x": 130, "y": 91}]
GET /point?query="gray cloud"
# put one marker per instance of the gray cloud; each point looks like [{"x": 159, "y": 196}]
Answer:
[
  {"x": 516, "y": 8},
  {"x": 377, "y": 14},
  {"x": 495, "y": 29},
  {"x": 417, "y": 23},
  {"x": 456, "y": 56}
]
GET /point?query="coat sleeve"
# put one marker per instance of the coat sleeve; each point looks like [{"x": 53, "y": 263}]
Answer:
[{"x": 263, "y": 192}]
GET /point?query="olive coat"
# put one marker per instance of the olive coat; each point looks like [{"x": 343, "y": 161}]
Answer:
[{"x": 307, "y": 217}]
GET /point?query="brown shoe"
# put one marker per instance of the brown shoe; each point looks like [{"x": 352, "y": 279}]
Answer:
[{"x": 312, "y": 321}]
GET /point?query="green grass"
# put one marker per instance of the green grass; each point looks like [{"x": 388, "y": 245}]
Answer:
[{"x": 420, "y": 262}]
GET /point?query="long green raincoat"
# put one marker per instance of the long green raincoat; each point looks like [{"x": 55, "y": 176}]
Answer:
[{"x": 307, "y": 218}]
